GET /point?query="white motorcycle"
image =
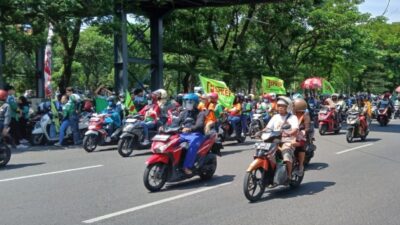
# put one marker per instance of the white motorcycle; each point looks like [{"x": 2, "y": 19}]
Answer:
[{"x": 41, "y": 131}]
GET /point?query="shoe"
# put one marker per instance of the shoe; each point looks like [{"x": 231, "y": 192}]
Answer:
[
  {"x": 145, "y": 142},
  {"x": 21, "y": 146},
  {"x": 299, "y": 172},
  {"x": 187, "y": 171},
  {"x": 57, "y": 144},
  {"x": 24, "y": 141}
]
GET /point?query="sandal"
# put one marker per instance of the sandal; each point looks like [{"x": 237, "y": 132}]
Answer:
[{"x": 187, "y": 171}]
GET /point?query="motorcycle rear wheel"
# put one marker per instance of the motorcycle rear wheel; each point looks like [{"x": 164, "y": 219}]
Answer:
[
  {"x": 90, "y": 142},
  {"x": 323, "y": 128},
  {"x": 253, "y": 185},
  {"x": 5, "y": 155},
  {"x": 125, "y": 147},
  {"x": 296, "y": 179},
  {"x": 37, "y": 139},
  {"x": 155, "y": 176}
]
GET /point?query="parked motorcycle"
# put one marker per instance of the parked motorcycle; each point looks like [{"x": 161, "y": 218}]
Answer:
[
  {"x": 353, "y": 127},
  {"x": 327, "y": 123},
  {"x": 5, "y": 153},
  {"x": 97, "y": 133},
  {"x": 226, "y": 132},
  {"x": 257, "y": 123},
  {"x": 132, "y": 136},
  {"x": 383, "y": 117},
  {"x": 41, "y": 131},
  {"x": 165, "y": 165},
  {"x": 267, "y": 168}
]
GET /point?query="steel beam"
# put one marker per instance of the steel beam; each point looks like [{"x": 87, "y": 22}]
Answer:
[
  {"x": 40, "y": 72},
  {"x": 121, "y": 53},
  {"x": 156, "y": 35},
  {"x": 2, "y": 62}
]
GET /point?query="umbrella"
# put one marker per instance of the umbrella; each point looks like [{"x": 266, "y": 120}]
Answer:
[
  {"x": 312, "y": 83},
  {"x": 398, "y": 89}
]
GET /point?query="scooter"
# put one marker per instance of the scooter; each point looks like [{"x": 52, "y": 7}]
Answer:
[
  {"x": 257, "y": 123},
  {"x": 41, "y": 131},
  {"x": 353, "y": 127},
  {"x": 225, "y": 131},
  {"x": 97, "y": 133},
  {"x": 326, "y": 121},
  {"x": 166, "y": 163},
  {"x": 383, "y": 118},
  {"x": 132, "y": 136},
  {"x": 267, "y": 168}
]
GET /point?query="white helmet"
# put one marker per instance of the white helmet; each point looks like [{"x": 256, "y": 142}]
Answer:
[
  {"x": 162, "y": 93},
  {"x": 272, "y": 95},
  {"x": 283, "y": 100}
]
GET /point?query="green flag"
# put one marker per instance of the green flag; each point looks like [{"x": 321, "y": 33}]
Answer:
[
  {"x": 100, "y": 104},
  {"x": 129, "y": 103},
  {"x": 225, "y": 96},
  {"x": 272, "y": 84},
  {"x": 327, "y": 87},
  {"x": 54, "y": 111}
]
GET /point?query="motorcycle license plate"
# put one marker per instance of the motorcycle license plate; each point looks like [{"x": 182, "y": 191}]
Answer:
[
  {"x": 161, "y": 137},
  {"x": 131, "y": 120}
]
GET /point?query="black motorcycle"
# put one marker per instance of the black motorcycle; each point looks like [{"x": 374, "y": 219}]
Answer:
[
  {"x": 226, "y": 132},
  {"x": 132, "y": 136},
  {"x": 257, "y": 123},
  {"x": 5, "y": 153}
]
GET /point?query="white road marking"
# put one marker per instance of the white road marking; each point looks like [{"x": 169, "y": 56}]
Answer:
[
  {"x": 51, "y": 173},
  {"x": 352, "y": 149},
  {"x": 136, "y": 208}
]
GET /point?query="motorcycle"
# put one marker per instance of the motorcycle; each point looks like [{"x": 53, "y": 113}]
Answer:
[
  {"x": 267, "y": 168},
  {"x": 165, "y": 165},
  {"x": 97, "y": 133},
  {"x": 257, "y": 123},
  {"x": 396, "y": 113},
  {"x": 309, "y": 146},
  {"x": 353, "y": 127},
  {"x": 132, "y": 136},
  {"x": 326, "y": 121},
  {"x": 383, "y": 118},
  {"x": 5, "y": 153},
  {"x": 226, "y": 131},
  {"x": 41, "y": 131},
  {"x": 314, "y": 114}
]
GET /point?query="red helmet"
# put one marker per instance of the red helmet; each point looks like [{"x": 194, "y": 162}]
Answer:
[
  {"x": 265, "y": 96},
  {"x": 213, "y": 96},
  {"x": 3, "y": 95},
  {"x": 386, "y": 95}
]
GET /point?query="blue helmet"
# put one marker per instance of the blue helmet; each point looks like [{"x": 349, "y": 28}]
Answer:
[{"x": 191, "y": 96}]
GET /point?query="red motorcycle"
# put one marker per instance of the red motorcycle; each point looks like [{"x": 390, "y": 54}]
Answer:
[
  {"x": 327, "y": 122},
  {"x": 166, "y": 163}
]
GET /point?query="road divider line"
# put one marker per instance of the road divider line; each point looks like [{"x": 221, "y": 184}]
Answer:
[
  {"x": 136, "y": 208},
  {"x": 50, "y": 173},
  {"x": 352, "y": 149}
]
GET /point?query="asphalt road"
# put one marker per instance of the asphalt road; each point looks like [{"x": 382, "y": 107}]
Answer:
[{"x": 350, "y": 184}]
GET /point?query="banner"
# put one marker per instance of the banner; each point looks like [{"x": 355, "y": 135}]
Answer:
[
  {"x": 272, "y": 84},
  {"x": 327, "y": 87},
  {"x": 100, "y": 104},
  {"x": 47, "y": 64},
  {"x": 129, "y": 104},
  {"x": 225, "y": 96}
]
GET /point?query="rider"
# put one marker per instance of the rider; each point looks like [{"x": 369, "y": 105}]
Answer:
[
  {"x": 114, "y": 119},
  {"x": 246, "y": 110},
  {"x": 151, "y": 113},
  {"x": 164, "y": 104},
  {"x": 234, "y": 114},
  {"x": 303, "y": 116},
  {"x": 362, "y": 109},
  {"x": 386, "y": 103},
  {"x": 5, "y": 114},
  {"x": 288, "y": 136},
  {"x": 328, "y": 102},
  {"x": 193, "y": 129},
  {"x": 210, "y": 119}
]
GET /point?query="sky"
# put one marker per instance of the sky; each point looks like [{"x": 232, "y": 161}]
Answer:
[{"x": 377, "y": 7}]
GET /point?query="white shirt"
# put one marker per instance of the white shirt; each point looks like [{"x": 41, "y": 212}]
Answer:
[{"x": 277, "y": 121}]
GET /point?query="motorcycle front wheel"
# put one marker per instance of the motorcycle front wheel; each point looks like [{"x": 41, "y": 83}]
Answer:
[
  {"x": 125, "y": 147},
  {"x": 5, "y": 155},
  {"x": 253, "y": 184},
  {"x": 155, "y": 176},
  {"x": 209, "y": 168},
  {"x": 90, "y": 142},
  {"x": 349, "y": 136},
  {"x": 37, "y": 139}
]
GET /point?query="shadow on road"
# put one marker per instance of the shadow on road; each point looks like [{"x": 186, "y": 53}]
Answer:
[
  {"x": 305, "y": 189},
  {"x": 316, "y": 166},
  {"x": 198, "y": 183},
  {"x": 22, "y": 165},
  {"x": 225, "y": 153}
]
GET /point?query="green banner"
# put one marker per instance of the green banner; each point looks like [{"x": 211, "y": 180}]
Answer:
[
  {"x": 327, "y": 87},
  {"x": 54, "y": 111},
  {"x": 100, "y": 104},
  {"x": 129, "y": 103},
  {"x": 225, "y": 96},
  {"x": 272, "y": 84}
]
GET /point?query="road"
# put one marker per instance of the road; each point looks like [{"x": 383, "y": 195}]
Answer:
[{"x": 350, "y": 184}]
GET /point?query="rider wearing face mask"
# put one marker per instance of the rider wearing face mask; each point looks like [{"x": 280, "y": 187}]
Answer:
[
  {"x": 115, "y": 118},
  {"x": 151, "y": 113},
  {"x": 193, "y": 122}
]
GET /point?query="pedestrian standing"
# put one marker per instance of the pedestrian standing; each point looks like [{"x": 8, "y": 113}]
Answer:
[{"x": 74, "y": 100}]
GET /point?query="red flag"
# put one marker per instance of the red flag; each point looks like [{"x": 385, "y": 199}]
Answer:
[{"x": 47, "y": 64}]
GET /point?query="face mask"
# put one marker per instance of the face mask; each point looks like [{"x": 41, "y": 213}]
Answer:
[
  {"x": 189, "y": 106},
  {"x": 110, "y": 104},
  {"x": 139, "y": 98},
  {"x": 149, "y": 102}
]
